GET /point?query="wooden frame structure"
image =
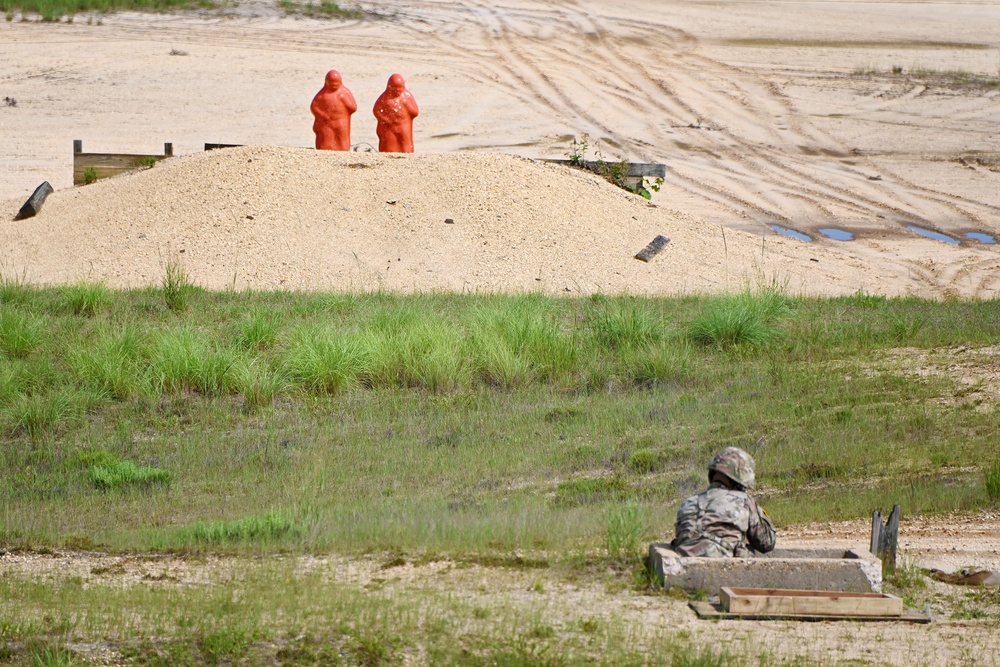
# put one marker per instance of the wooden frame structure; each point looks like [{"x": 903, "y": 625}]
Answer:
[{"x": 90, "y": 167}]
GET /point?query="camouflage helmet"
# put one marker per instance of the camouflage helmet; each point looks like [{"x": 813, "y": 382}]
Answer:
[{"x": 735, "y": 464}]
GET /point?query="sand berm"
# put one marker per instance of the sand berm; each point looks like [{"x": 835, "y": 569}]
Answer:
[{"x": 269, "y": 218}]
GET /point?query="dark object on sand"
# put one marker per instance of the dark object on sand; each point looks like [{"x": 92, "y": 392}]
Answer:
[
  {"x": 654, "y": 247},
  {"x": 35, "y": 201}
]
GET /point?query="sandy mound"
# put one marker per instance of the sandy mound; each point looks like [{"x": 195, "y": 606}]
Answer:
[{"x": 279, "y": 218}]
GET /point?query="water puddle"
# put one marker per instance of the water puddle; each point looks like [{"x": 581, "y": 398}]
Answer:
[
  {"x": 785, "y": 231},
  {"x": 981, "y": 237},
  {"x": 836, "y": 234},
  {"x": 937, "y": 236}
]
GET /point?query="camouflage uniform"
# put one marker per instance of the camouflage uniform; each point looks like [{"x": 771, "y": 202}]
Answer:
[{"x": 720, "y": 522}]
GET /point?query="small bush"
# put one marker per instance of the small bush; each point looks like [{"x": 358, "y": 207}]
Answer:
[
  {"x": 184, "y": 361},
  {"x": 259, "y": 384},
  {"x": 13, "y": 289},
  {"x": 119, "y": 474},
  {"x": 115, "y": 364}
]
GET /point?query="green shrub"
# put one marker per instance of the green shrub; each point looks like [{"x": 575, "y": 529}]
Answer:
[
  {"x": 183, "y": 360},
  {"x": 644, "y": 460},
  {"x": 591, "y": 490}
]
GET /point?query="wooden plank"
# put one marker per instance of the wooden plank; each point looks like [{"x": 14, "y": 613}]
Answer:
[
  {"x": 106, "y": 165},
  {"x": 715, "y": 611},
  {"x": 787, "y": 602},
  {"x": 654, "y": 247},
  {"x": 35, "y": 201},
  {"x": 213, "y": 147}
]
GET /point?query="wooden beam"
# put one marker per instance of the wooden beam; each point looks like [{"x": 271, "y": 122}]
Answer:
[
  {"x": 788, "y": 602},
  {"x": 654, "y": 247},
  {"x": 106, "y": 165}
]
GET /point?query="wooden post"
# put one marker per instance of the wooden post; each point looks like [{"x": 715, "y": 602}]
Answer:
[
  {"x": 35, "y": 201},
  {"x": 168, "y": 149},
  {"x": 78, "y": 145},
  {"x": 885, "y": 539}
]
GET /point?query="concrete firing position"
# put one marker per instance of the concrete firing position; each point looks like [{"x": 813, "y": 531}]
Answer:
[{"x": 854, "y": 569}]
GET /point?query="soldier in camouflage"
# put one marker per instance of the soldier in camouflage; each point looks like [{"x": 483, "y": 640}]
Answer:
[{"x": 723, "y": 520}]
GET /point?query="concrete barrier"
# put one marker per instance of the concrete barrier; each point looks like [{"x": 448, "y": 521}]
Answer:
[{"x": 854, "y": 569}]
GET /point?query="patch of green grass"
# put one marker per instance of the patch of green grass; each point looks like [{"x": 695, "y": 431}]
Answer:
[
  {"x": 86, "y": 298},
  {"x": 321, "y": 9},
  {"x": 122, "y": 474},
  {"x": 54, "y": 10},
  {"x": 20, "y": 333},
  {"x": 263, "y": 529}
]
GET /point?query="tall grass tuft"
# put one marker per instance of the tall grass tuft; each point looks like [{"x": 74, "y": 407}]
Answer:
[
  {"x": 323, "y": 362},
  {"x": 19, "y": 334},
  {"x": 259, "y": 384},
  {"x": 39, "y": 415},
  {"x": 14, "y": 289},
  {"x": 183, "y": 360},
  {"x": 115, "y": 365},
  {"x": 746, "y": 320},
  {"x": 177, "y": 286},
  {"x": 625, "y": 530},
  {"x": 992, "y": 475},
  {"x": 258, "y": 332},
  {"x": 617, "y": 324},
  {"x": 258, "y": 529},
  {"x": 86, "y": 299},
  {"x": 516, "y": 340}
]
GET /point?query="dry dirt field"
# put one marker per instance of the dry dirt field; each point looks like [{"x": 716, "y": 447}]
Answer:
[
  {"x": 765, "y": 113},
  {"x": 770, "y": 113}
]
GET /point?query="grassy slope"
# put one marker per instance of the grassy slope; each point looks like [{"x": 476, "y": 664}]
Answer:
[{"x": 465, "y": 426}]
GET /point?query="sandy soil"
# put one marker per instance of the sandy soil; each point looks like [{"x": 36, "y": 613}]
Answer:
[{"x": 757, "y": 111}]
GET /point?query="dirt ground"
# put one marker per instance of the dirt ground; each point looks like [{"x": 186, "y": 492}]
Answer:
[
  {"x": 777, "y": 113},
  {"x": 564, "y": 597}
]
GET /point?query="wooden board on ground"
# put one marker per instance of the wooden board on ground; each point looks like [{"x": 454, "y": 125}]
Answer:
[
  {"x": 90, "y": 167},
  {"x": 714, "y": 611},
  {"x": 792, "y": 602}
]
